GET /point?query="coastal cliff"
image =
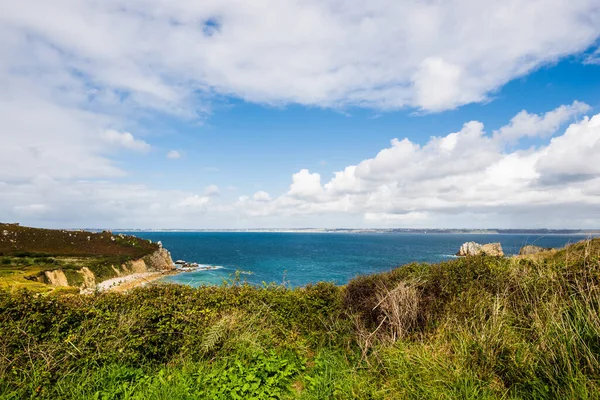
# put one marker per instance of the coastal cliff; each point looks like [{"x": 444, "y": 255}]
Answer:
[
  {"x": 85, "y": 279},
  {"x": 46, "y": 259}
]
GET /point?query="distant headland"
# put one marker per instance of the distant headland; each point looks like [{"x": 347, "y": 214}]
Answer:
[{"x": 374, "y": 230}]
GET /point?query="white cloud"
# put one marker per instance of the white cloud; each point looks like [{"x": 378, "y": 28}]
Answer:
[
  {"x": 42, "y": 137},
  {"x": 173, "y": 155},
  {"x": 464, "y": 179},
  {"x": 439, "y": 84},
  {"x": 157, "y": 54},
  {"x": 306, "y": 185},
  {"x": 593, "y": 58},
  {"x": 125, "y": 140},
  {"x": 460, "y": 179},
  {"x": 212, "y": 190},
  {"x": 410, "y": 218},
  {"x": 71, "y": 69},
  {"x": 193, "y": 203},
  {"x": 572, "y": 156},
  {"x": 525, "y": 124},
  {"x": 31, "y": 209},
  {"x": 261, "y": 196}
]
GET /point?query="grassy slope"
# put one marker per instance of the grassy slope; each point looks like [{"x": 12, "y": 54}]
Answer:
[
  {"x": 28, "y": 251},
  {"x": 478, "y": 327}
]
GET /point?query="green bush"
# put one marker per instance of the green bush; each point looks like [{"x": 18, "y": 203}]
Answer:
[
  {"x": 44, "y": 260},
  {"x": 478, "y": 327}
]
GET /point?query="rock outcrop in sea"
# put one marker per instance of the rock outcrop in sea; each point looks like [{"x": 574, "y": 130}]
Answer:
[{"x": 474, "y": 249}]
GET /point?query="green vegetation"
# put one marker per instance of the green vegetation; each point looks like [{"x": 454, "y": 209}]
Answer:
[
  {"x": 20, "y": 241},
  {"x": 471, "y": 328},
  {"x": 25, "y": 253}
]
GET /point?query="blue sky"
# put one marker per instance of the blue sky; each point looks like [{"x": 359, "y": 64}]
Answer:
[{"x": 283, "y": 114}]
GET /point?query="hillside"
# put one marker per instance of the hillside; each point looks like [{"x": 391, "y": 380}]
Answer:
[
  {"x": 472, "y": 328},
  {"x": 44, "y": 259},
  {"x": 17, "y": 240}
]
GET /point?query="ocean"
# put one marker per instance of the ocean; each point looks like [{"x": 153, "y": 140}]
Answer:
[{"x": 298, "y": 259}]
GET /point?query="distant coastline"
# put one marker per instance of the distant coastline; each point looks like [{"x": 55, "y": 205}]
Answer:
[{"x": 374, "y": 230}]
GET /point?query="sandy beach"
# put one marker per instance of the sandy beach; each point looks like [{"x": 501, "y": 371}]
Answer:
[{"x": 124, "y": 283}]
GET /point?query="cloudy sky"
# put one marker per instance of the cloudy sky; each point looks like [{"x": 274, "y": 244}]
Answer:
[{"x": 300, "y": 113}]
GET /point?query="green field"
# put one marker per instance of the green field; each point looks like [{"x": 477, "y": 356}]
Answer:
[{"x": 472, "y": 328}]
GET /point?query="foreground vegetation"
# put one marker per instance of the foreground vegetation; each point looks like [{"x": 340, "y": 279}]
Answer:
[{"x": 471, "y": 328}]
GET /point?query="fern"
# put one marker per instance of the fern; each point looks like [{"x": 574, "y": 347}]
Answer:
[{"x": 215, "y": 334}]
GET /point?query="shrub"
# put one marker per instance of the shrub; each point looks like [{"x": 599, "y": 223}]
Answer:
[{"x": 477, "y": 327}]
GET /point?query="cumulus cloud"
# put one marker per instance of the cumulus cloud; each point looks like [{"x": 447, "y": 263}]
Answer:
[
  {"x": 466, "y": 178},
  {"x": 125, "y": 140},
  {"x": 572, "y": 157},
  {"x": 306, "y": 185},
  {"x": 525, "y": 124},
  {"x": 173, "y": 155}
]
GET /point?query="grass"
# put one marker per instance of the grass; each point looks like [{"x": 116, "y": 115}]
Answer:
[{"x": 471, "y": 328}]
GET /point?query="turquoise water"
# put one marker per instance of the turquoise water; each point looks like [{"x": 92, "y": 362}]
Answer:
[{"x": 302, "y": 258}]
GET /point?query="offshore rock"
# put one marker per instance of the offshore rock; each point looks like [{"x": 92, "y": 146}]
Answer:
[
  {"x": 469, "y": 249},
  {"x": 474, "y": 249}
]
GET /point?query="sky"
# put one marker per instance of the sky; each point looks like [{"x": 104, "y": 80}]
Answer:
[{"x": 300, "y": 113}]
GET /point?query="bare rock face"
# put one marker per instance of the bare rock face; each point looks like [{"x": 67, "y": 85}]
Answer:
[
  {"x": 160, "y": 260},
  {"x": 57, "y": 278},
  {"x": 492, "y": 249},
  {"x": 530, "y": 249},
  {"x": 473, "y": 249},
  {"x": 469, "y": 249}
]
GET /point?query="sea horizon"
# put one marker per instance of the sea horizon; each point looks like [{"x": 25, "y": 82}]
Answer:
[{"x": 484, "y": 231}]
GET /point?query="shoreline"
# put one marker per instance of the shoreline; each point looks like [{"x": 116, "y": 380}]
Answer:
[
  {"x": 566, "y": 232},
  {"x": 128, "y": 282}
]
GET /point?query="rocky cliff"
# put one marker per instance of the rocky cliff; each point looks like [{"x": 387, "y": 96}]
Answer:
[{"x": 86, "y": 280}]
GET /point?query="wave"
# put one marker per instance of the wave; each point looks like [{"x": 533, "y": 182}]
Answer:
[{"x": 200, "y": 267}]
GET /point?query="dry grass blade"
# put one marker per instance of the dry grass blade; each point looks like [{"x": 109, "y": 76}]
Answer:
[{"x": 400, "y": 306}]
